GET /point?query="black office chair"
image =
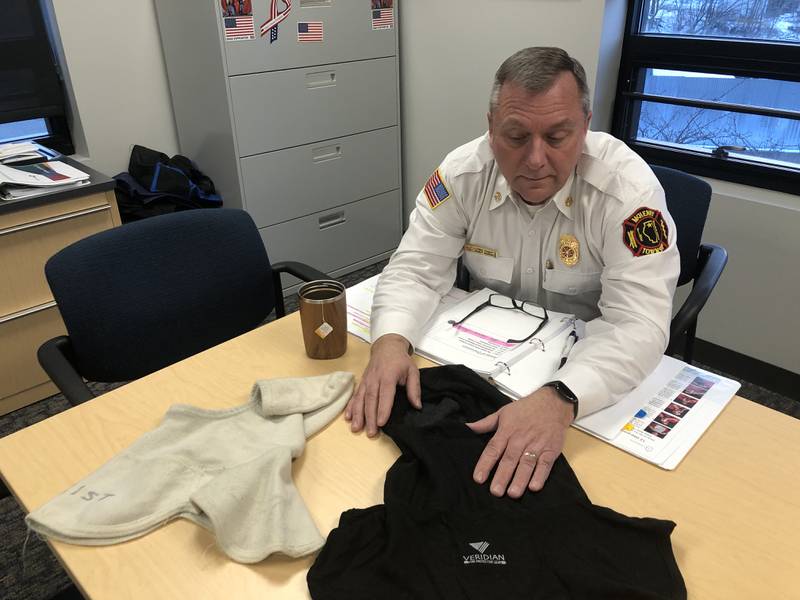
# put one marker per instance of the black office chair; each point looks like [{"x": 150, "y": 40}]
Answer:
[
  {"x": 688, "y": 199},
  {"x": 145, "y": 295}
]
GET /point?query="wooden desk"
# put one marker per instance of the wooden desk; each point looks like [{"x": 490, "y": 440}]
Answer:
[{"x": 736, "y": 497}]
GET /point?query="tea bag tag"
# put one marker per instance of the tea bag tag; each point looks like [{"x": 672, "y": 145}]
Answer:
[{"x": 323, "y": 330}]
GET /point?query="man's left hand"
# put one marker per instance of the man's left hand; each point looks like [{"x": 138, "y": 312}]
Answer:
[{"x": 529, "y": 436}]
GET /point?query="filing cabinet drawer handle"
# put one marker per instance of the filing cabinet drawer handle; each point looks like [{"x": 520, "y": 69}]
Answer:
[
  {"x": 304, "y": 3},
  {"x": 56, "y": 219},
  {"x": 320, "y": 79},
  {"x": 325, "y": 153},
  {"x": 332, "y": 219},
  {"x": 26, "y": 312}
]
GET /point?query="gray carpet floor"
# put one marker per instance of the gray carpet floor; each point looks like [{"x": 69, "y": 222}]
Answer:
[{"x": 37, "y": 575}]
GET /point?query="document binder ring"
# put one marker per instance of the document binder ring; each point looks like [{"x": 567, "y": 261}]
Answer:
[{"x": 505, "y": 367}]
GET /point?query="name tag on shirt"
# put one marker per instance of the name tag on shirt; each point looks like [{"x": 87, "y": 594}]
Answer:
[{"x": 480, "y": 250}]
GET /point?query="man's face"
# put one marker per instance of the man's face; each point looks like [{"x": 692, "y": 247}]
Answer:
[{"x": 537, "y": 138}]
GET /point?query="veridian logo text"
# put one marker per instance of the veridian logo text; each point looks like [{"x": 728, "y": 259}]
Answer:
[{"x": 482, "y": 558}]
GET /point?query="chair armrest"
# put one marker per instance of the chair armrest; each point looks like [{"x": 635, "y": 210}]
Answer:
[
  {"x": 299, "y": 270},
  {"x": 462, "y": 275},
  {"x": 54, "y": 356},
  {"x": 711, "y": 262}
]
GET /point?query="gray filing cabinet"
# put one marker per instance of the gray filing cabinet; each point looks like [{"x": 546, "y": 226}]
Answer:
[{"x": 303, "y": 135}]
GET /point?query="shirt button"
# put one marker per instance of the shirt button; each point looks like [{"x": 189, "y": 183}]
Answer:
[
  {"x": 530, "y": 270},
  {"x": 530, "y": 233}
]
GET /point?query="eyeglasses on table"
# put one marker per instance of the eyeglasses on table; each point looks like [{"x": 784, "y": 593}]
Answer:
[{"x": 506, "y": 303}]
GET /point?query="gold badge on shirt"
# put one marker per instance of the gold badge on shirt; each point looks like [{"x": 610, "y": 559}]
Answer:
[{"x": 569, "y": 249}]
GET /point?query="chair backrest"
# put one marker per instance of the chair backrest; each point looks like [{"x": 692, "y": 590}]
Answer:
[
  {"x": 688, "y": 199},
  {"x": 145, "y": 295}
]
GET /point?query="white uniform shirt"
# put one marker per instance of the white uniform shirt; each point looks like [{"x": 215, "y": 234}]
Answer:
[{"x": 590, "y": 251}]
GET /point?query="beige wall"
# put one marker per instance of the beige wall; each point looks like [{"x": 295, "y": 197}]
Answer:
[
  {"x": 754, "y": 308},
  {"x": 117, "y": 79}
]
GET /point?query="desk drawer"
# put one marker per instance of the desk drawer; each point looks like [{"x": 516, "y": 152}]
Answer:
[
  {"x": 300, "y": 106},
  {"x": 26, "y": 247},
  {"x": 339, "y": 237},
  {"x": 347, "y": 35},
  {"x": 20, "y": 338},
  {"x": 284, "y": 185}
]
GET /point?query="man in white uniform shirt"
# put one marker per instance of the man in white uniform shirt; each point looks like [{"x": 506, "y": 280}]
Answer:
[{"x": 546, "y": 211}]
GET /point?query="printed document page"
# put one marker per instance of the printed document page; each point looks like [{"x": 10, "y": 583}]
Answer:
[
  {"x": 664, "y": 417},
  {"x": 359, "y": 306},
  {"x": 485, "y": 341}
]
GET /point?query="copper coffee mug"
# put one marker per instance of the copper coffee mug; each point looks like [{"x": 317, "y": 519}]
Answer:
[{"x": 323, "y": 317}]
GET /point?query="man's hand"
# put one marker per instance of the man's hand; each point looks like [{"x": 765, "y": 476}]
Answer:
[
  {"x": 389, "y": 365},
  {"x": 529, "y": 436}
]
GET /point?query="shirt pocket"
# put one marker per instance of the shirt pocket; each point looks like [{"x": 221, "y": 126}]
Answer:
[
  {"x": 498, "y": 268},
  {"x": 571, "y": 283},
  {"x": 573, "y": 293}
]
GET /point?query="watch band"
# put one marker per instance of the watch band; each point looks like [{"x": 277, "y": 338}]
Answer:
[{"x": 566, "y": 394}]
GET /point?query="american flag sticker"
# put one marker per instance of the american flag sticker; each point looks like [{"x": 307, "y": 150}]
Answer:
[
  {"x": 435, "y": 190},
  {"x": 239, "y": 28},
  {"x": 309, "y": 31},
  {"x": 382, "y": 18}
]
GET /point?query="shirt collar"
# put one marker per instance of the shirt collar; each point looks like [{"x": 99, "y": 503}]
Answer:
[
  {"x": 502, "y": 191},
  {"x": 562, "y": 199}
]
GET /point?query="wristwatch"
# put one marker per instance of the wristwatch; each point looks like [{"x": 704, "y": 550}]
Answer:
[{"x": 566, "y": 394}]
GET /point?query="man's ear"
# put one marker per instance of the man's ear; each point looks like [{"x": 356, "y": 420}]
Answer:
[
  {"x": 489, "y": 118},
  {"x": 588, "y": 120}
]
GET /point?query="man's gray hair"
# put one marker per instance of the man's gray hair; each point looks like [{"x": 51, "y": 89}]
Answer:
[{"x": 536, "y": 69}]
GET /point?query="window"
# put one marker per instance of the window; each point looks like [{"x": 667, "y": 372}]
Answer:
[
  {"x": 32, "y": 99},
  {"x": 713, "y": 87},
  {"x": 23, "y": 130}
]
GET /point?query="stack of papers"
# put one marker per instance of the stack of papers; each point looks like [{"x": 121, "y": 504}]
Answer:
[
  {"x": 44, "y": 174},
  {"x": 659, "y": 421},
  {"x": 17, "y": 152},
  {"x": 23, "y": 182}
]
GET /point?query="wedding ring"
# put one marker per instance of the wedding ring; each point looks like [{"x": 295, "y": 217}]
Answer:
[{"x": 531, "y": 455}]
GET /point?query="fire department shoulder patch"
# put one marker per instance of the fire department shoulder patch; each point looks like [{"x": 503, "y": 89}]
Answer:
[{"x": 645, "y": 232}]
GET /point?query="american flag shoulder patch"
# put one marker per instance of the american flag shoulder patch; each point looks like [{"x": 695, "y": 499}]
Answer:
[{"x": 435, "y": 190}]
